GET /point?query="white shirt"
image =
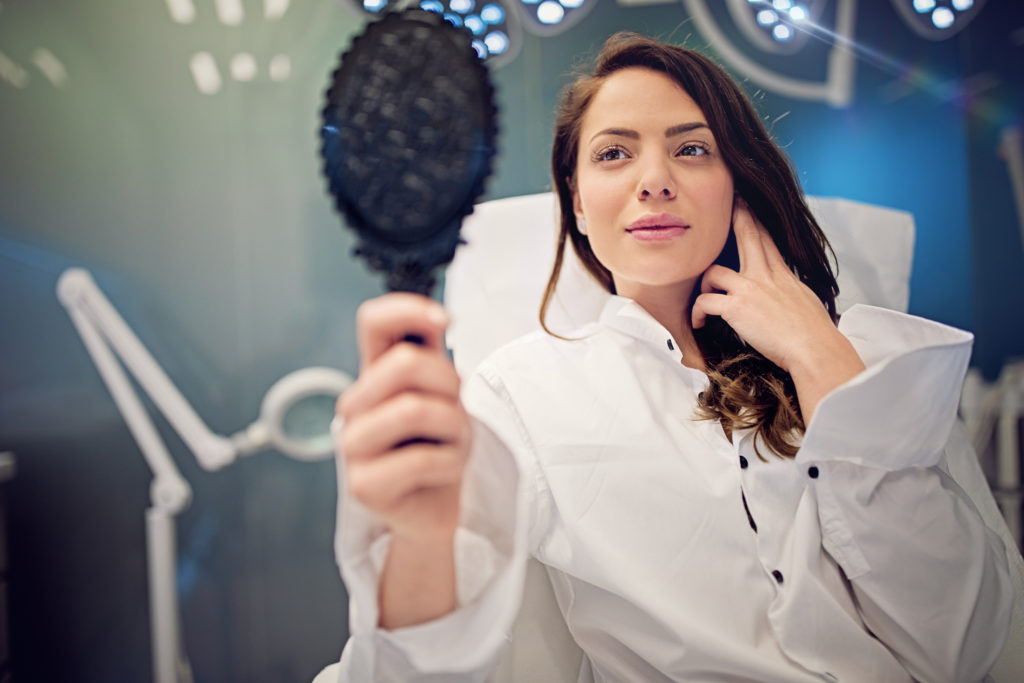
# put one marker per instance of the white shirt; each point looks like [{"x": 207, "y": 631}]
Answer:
[{"x": 677, "y": 555}]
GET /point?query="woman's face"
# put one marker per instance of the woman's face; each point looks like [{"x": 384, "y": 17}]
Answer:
[{"x": 651, "y": 185}]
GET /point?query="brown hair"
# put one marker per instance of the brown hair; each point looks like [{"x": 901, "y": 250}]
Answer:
[{"x": 747, "y": 390}]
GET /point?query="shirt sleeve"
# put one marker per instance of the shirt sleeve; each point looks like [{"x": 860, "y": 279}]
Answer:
[
  {"x": 490, "y": 558},
  {"x": 929, "y": 577}
]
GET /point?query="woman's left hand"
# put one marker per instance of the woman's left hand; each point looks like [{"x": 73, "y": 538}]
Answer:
[{"x": 773, "y": 311}]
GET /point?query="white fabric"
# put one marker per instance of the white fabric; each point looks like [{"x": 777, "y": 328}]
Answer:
[{"x": 494, "y": 286}]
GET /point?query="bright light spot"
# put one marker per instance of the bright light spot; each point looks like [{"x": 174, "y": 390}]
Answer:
[
  {"x": 550, "y": 12},
  {"x": 475, "y": 24},
  {"x": 12, "y": 73},
  {"x": 962, "y": 5},
  {"x": 798, "y": 13},
  {"x": 571, "y": 4},
  {"x": 374, "y": 5},
  {"x": 453, "y": 19},
  {"x": 280, "y": 68},
  {"x": 51, "y": 67},
  {"x": 432, "y": 6},
  {"x": 205, "y": 73},
  {"x": 782, "y": 32},
  {"x": 275, "y": 9},
  {"x": 461, "y": 6},
  {"x": 182, "y": 11},
  {"x": 481, "y": 49},
  {"x": 530, "y": 2},
  {"x": 492, "y": 14},
  {"x": 923, "y": 6},
  {"x": 243, "y": 67},
  {"x": 766, "y": 17},
  {"x": 943, "y": 17},
  {"x": 782, "y": 5},
  {"x": 229, "y": 12},
  {"x": 497, "y": 42}
]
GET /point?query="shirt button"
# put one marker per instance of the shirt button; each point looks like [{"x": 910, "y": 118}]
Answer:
[
  {"x": 671, "y": 346},
  {"x": 778, "y": 575},
  {"x": 743, "y": 463},
  {"x": 812, "y": 472}
]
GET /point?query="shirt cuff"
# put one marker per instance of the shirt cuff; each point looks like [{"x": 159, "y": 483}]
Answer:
[{"x": 898, "y": 412}]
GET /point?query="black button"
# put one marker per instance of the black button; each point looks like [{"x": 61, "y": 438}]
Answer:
[
  {"x": 812, "y": 472},
  {"x": 671, "y": 347},
  {"x": 743, "y": 463},
  {"x": 777, "y": 574}
]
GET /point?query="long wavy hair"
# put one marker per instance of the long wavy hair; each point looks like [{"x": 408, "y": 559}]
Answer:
[{"x": 746, "y": 389}]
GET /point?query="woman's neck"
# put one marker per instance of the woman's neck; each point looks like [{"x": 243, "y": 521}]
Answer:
[{"x": 670, "y": 306}]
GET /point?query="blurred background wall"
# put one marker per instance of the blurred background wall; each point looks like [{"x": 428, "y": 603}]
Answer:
[{"x": 204, "y": 219}]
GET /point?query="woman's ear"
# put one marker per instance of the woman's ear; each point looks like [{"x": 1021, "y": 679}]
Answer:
[{"x": 577, "y": 206}]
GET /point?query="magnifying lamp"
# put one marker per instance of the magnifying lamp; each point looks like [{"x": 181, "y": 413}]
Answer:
[{"x": 294, "y": 418}]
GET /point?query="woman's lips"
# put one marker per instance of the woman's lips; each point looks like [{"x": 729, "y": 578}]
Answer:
[{"x": 657, "y": 227}]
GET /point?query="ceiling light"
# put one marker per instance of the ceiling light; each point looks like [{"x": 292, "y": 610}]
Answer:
[
  {"x": 243, "y": 67},
  {"x": 229, "y": 12},
  {"x": 280, "y": 68},
  {"x": 943, "y": 17},
  {"x": 275, "y": 9},
  {"x": 923, "y": 6},
  {"x": 205, "y": 73},
  {"x": 182, "y": 11},
  {"x": 550, "y": 12}
]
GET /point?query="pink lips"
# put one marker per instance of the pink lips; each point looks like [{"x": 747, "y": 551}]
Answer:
[{"x": 657, "y": 227}]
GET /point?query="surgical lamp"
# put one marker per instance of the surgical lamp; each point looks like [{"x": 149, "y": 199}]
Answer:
[{"x": 294, "y": 419}]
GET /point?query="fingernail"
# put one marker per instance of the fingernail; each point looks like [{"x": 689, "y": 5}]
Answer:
[{"x": 437, "y": 315}]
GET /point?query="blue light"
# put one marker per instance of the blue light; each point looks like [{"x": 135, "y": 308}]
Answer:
[
  {"x": 453, "y": 19},
  {"x": 571, "y": 4},
  {"x": 963, "y": 5},
  {"x": 782, "y": 32},
  {"x": 481, "y": 49},
  {"x": 492, "y": 14},
  {"x": 550, "y": 12},
  {"x": 475, "y": 24},
  {"x": 432, "y": 6},
  {"x": 374, "y": 5},
  {"x": 782, "y": 5},
  {"x": 798, "y": 13},
  {"x": 943, "y": 17},
  {"x": 497, "y": 42},
  {"x": 923, "y": 6},
  {"x": 766, "y": 17},
  {"x": 461, "y": 6},
  {"x": 530, "y": 2}
]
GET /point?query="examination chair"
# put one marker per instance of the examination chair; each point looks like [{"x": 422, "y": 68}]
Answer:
[{"x": 493, "y": 290}]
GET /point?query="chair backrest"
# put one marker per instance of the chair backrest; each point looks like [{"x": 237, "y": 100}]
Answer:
[{"x": 493, "y": 290}]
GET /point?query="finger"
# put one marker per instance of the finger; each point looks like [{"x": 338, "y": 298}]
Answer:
[
  {"x": 404, "y": 418},
  {"x": 705, "y": 305},
  {"x": 381, "y": 483},
  {"x": 718, "y": 278},
  {"x": 403, "y": 367},
  {"x": 748, "y": 240},
  {"x": 773, "y": 257},
  {"x": 387, "y": 320}
]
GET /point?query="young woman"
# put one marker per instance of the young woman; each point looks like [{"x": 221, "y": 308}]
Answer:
[{"x": 721, "y": 483}]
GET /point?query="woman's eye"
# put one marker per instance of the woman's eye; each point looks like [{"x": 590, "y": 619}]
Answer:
[
  {"x": 693, "y": 150},
  {"x": 610, "y": 154}
]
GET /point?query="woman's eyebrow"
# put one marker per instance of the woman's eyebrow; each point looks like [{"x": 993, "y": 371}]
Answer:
[{"x": 684, "y": 128}]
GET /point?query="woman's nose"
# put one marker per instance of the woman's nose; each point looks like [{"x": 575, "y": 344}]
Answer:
[{"x": 657, "y": 181}]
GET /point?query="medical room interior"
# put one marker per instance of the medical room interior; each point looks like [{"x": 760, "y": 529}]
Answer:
[{"x": 167, "y": 153}]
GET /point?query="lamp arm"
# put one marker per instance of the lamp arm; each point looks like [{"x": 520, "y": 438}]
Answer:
[
  {"x": 101, "y": 327},
  {"x": 837, "y": 90}
]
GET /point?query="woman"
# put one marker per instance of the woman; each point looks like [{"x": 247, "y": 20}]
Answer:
[{"x": 722, "y": 483}]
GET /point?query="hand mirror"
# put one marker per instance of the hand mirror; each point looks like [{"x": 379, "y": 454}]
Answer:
[{"x": 407, "y": 139}]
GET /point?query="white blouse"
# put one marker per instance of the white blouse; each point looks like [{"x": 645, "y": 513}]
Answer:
[{"x": 677, "y": 555}]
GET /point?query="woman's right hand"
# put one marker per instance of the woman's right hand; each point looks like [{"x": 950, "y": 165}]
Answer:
[{"x": 406, "y": 437}]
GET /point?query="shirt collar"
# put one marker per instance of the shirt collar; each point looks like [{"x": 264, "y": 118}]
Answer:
[{"x": 629, "y": 317}]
